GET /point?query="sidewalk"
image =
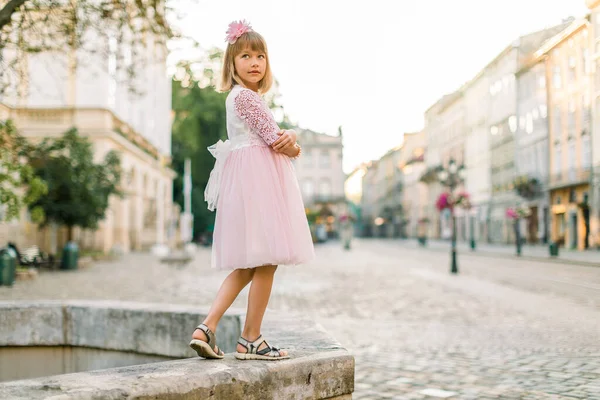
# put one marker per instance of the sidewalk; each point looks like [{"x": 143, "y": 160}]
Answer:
[{"x": 533, "y": 252}]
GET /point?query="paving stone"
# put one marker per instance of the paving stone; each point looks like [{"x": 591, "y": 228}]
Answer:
[{"x": 498, "y": 330}]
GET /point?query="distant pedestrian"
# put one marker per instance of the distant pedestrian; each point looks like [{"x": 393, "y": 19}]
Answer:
[
  {"x": 260, "y": 221},
  {"x": 346, "y": 230}
]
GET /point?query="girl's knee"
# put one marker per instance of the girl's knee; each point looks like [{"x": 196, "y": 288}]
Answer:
[
  {"x": 267, "y": 268},
  {"x": 245, "y": 273}
]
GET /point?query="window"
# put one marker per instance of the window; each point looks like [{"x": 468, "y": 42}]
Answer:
[
  {"x": 325, "y": 188},
  {"x": 586, "y": 152},
  {"x": 522, "y": 122},
  {"x": 571, "y": 160},
  {"x": 572, "y": 70},
  {"x": 586, "y": 111},
  {"x": 529, "y": 127},
  {"x": 512, "y": 123},
  {"x": 557, "y": 159},
  {"x": 325, "y": 159},
  {"x": 542, "y": 82},
  {"x": 494, "y": 130},
  {"x": 572, "y": 196},
  {"x": 572, "y": 109},
  {"x": 557, "y": 122},
  {"x": 543, "y": 110},
  {"x": 587, "y": 65},
  {"x": 308, "y": 158},
  {"x": 308, "y": 188},
  {"x": 556, "y": 78}
]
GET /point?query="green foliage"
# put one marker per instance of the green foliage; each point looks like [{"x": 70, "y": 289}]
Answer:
[
  {"x": 19, "y": 186},
  {"x": 78, "y": 189},
  {"x": 200, "y": 121}
]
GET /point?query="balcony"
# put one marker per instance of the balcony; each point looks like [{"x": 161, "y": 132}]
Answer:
[{"x": 570, "y": 177}]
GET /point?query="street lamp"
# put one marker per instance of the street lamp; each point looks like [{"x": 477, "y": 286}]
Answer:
[{"x": 452, "y": 177}]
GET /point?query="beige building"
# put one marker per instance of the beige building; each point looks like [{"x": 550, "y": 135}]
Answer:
[
  {"x": 568, "y": 68},
  {"x": 477, "y": 155},
  {"x": 414, "y": 192},
  {"x": 594, "y": 46},
  {"x": 321, "y": 175},
  {"x": 381, "y": 201},
  {"x": 445, "y": 136},
  {"x": 369, "y": 199},
  {"x": 58, "y": 94}
]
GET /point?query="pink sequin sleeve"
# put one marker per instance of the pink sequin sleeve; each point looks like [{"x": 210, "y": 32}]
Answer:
[{"x": 251, "y": 109}]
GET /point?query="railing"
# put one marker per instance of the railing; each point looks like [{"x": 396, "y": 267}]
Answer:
[{"x": 570, "y": 177}]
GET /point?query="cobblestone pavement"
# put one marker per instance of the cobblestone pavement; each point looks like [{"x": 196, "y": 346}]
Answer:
[
  {"x": 531, "y": 251},
  {"x": 501, "y": 329}
]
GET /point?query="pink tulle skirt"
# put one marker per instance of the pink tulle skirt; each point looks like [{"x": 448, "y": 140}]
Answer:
[{"x": 260, "y": 214}]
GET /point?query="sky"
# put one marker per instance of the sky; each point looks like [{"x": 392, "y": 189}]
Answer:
[{"x": 373, "y": 67}]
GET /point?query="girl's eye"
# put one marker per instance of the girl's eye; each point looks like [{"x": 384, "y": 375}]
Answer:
[
  {"x": 244, "y": 55},
  {"x": 261, "y": 56}
]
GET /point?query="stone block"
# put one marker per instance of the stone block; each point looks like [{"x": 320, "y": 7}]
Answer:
[
  {"x": 142, "y": 327},
  {"x": 319, "y": 368},
  {"x": 31, "y": 323}
]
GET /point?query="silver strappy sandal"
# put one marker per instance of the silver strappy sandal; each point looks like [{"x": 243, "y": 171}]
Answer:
[
  {"x": 206, "y": 349},
  {"x": 268, "y": 353}
]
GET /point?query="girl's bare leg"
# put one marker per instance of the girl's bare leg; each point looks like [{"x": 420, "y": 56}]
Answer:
[
  {"x": 258, "y": 298},
  {"x": 230, "y": 289}
]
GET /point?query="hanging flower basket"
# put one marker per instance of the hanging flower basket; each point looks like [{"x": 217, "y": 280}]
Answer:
[
  {"x": 448, "y": 200},
  {"x": 526, "y": 187},
  {"x": 518, "y": 212}
]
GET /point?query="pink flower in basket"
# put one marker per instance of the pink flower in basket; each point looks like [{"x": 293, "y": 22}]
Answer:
[
  {"x": 443, "y": 201},
  {"x": 511, "y": 213},
  {"x": 343, "y": 218}
]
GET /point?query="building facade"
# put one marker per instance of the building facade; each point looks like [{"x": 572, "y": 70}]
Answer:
[
  {"x": 594, "y": 39},
  {"x": 477, "y": 156},
  {"x": 445, "y": 140},
  {"x": 414, "y": 192},
  {"x": 531, "y": 150},
  {"x": 503, "y": 125},
  {"x": 568, "y": 66},
  {"x": 320, "y": 174},
  {"x": 59, "y": 92}
]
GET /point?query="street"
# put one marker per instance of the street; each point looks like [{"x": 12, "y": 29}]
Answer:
[{"x": 501, "y": 329}]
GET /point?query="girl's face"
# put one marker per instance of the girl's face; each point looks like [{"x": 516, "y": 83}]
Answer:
[{"x": 250, "y": 66}]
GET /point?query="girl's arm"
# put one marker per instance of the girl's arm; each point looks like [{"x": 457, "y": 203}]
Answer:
[{"x": 261, "y": 122}]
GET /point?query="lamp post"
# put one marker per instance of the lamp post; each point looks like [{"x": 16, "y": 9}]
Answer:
[{"x": 452, "y": 177}]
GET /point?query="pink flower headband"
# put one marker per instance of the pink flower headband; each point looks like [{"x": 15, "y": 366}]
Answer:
[{"x": 237, "y": 29}]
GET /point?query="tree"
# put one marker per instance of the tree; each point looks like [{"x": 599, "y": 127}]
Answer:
[
  {"x": 35, "y": 26},
  {"x": 78, "y": 189},
  {"x": 17, "y": 177},
  {"x": 199, "y": 122}
]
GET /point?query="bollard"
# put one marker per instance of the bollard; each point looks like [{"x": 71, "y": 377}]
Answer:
[
  {"x": 69, "y": 256},
  {"x": 553, "y": 249},
  {"x": 8, "y": 266}
]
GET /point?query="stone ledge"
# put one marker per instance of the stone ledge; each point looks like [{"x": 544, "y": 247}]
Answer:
[{"x": 319, "y": 367}]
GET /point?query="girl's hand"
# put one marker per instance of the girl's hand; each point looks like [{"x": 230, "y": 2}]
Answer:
[
  {"x": 292, "y": 152},
  {"x": 286, "y": 141}
]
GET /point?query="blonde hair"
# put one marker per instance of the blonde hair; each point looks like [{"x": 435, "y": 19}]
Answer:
[{"x": 229, "y": 76}]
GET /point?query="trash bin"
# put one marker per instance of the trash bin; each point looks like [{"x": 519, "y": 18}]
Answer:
[
  {"x": 69, "y": 256},
  {"x": 553, "y": 249},
  {"x": 8, "y": 266}
]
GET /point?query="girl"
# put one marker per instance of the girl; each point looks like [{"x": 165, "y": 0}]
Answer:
[{"x": 260, "y": 222}]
